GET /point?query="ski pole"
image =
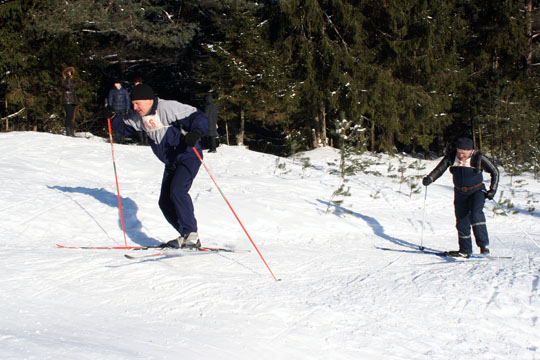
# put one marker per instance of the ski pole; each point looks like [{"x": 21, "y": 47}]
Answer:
[
  {"x": 117, "y": 187},
  {"x": 421, "y": 247},
  {"x": 234, "y": 213}
]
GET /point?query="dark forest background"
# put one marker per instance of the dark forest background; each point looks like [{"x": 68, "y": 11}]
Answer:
[{"x": 289, "y": 75}]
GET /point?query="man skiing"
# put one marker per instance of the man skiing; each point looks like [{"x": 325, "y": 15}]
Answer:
[
  {"x": 173, "y": 129},
  {"x": 466, "y": 166}
]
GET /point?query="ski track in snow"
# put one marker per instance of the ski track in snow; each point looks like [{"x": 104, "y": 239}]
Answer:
[{"x": 339, "y": 296}]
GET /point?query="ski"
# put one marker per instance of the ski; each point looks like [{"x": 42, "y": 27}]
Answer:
[
  {"x": 479, "y": 256},
  {"x": 140, "y": 248},
  {"x": 104, "y": 247},
  {"x": 218, "y": 249},
  {"x": 172, "y": 252},
  {"x": 154, "y": 255},
  {"x": 445, "y": 254},
  {"x": 491, "y": 257},
  {"x": 417, "y": 251}
]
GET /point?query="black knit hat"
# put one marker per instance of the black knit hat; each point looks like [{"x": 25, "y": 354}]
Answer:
[
  {"x": 464, "y": 144},
  {"x": 142, "y": 92}
]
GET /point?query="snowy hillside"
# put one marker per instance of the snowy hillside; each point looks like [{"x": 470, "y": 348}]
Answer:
[{"x": 340, "y": 295}]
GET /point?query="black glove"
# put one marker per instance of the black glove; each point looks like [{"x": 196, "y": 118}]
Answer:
[
  {"x": 109, "y": 114},
  {"x": 427, "y": 180},
  {"x": 490, "y": 194},
  {"x": 191, "y": 138}
]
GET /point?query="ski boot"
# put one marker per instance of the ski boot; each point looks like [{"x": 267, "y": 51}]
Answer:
[
  {"x": 175, "y": 244},
  {"x": 191, "y": 241},
  {"x": 458, "y": 253}
]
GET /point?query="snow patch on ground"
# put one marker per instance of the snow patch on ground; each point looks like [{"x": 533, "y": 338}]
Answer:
[{"x": 340, "y": 296}]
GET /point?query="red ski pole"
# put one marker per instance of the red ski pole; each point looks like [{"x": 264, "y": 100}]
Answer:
[
  {"x": 234, "y": 213},
  {"x": 117, "y": 187}
]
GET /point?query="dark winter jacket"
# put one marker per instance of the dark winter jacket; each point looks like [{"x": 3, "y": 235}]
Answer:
[
  {"x": 69, "y": 96},
  {"x": 164, "y": 125},
  {"x": 211, "y": 112},
  {"x": 467, "y": 176},
  {"x": 119, "y": 99}
]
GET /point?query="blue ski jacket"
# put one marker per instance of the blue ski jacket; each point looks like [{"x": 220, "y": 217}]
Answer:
[{"x": 165, "y": 126}]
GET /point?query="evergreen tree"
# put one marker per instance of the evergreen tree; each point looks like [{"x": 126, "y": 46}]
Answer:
[
  {"x": 91, "y": 36},
  {"x": 244, "y": 71},
  {"x": 415, "y": 46},
  {"x": 415, "y": 74},
  {"x": 494, "y": 103},
  {"x": 16, "y": 62},
  {"x": 322, "y": 44}
]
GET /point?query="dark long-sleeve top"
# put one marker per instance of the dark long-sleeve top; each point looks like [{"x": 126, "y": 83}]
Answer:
[
  {"x": 119, "y": 99},
  {"x": 69, "y": 96},
  {"x": 469, "y": 174}
]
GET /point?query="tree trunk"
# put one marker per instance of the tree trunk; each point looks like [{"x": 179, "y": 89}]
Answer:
[
  {"x": 372, "y": 131},
  {"x": 528, "y": 14},
  {"x": 480, "y": 145},
  {"x": 344, "y": 128},
  {"x": 324, "y": 140},
  {"x": 316, "y": 131},
  {"x": 7, "y": 117},
  {"x": 227, "y": 132},
  {"x": 240, "y": 135}
]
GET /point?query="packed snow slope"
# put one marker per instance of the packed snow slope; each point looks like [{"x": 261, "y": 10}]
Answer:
[{"x": 340, "y": 295}]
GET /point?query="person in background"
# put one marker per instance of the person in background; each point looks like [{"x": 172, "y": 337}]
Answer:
[
  {"x": 118, "y": 99},
  {"x": 119, "y": 102},
  {"x": 466, "y": 166},
  {"x": 174, "y": 130},
  {"x": 69, "y": 97},
  {"x": 137, "y": 81},
  {"x": 143, "y": 139},
  {"x": 210, "y": 110}
]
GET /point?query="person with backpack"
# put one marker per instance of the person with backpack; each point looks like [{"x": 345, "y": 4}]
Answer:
[{"x": 466, "y": 166}]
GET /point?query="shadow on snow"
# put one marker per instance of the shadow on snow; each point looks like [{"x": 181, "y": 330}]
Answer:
[
  {"x": 375, "y": 225},
  {"x": 132, "y": 224}
]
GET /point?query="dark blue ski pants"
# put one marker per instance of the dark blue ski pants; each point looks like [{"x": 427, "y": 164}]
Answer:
[
  {"x": 469, "y": 210},
  {"x": 174, "y": 200}
]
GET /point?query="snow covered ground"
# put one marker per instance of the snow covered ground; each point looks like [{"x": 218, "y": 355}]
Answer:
[{"x": 340, "y": 296}]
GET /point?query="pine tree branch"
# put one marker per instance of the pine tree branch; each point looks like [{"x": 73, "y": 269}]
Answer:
[
  {"x": 337, "y": 32},
  {"x": 13, "y": 115}
]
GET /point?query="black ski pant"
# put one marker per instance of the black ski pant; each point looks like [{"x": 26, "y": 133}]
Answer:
[
  {"x": 70, "y": 111},
  {"x": 469, "y": 210},
  {"x": 212, "y": 144},
  {"x": 174, "y": 200}
]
